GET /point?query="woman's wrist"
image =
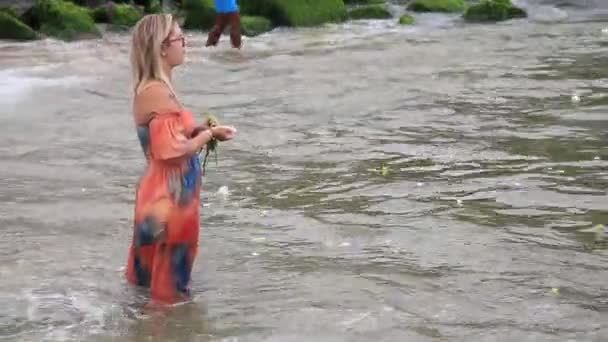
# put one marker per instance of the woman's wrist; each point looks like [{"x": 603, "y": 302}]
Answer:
[{"x": 204, "y": 136}]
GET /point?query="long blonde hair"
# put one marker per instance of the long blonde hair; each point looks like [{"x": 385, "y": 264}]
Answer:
[{"x": 148, "y": 36}]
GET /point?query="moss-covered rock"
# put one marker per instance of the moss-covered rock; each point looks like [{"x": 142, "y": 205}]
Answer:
[
  {"x": 370, "y": 12},
  {"x": 155, "y": 7},
  {"x": 493, "y": 10},
  {"x": 62, "y": 19},
  {"x": 117, "y": 14},
  {"x": 101, "y": 14},
  {"x": 149, "y": 6},
  {"x": 364, "y": 2},
  {"x": 9, "y": 10},
  {"x": 95, "y": 3},
  {"x": 14, "y": 29},
  {"x": 125, "y": 15},
  {"x": 200, "y": 14},
  {"x": 146, "y": 5},
  {"x": 17, "y": 7},
  {"x": 253, "y": 26},
  {"x": 436, "y": 5},
  {"x": 296, "y": 12},
  {"x": 406, "y": 19}
]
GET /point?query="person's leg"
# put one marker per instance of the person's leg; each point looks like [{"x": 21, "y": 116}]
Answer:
[
  {"x": 235, "y": 29},
  {"x": 216, "y": 31}
]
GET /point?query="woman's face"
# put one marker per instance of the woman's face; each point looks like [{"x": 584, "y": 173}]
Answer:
[{"x": 174, "y": 51}]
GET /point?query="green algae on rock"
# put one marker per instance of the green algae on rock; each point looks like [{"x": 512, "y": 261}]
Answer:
[
  {"x": 63, "y": 19},
  {"x": 14, "y": 29},
  {"x": 297, "y": 12},
  {"x": 436, "y": 6},
  {"x": 370, "y": 12},
  {"x": 493, "y": 10}
]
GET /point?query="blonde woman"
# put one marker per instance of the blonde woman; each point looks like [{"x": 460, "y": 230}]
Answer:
[{"x": 166, "y": 227}]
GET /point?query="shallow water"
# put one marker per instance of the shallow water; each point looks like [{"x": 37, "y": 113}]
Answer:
[{"x": 493, "y": 178}]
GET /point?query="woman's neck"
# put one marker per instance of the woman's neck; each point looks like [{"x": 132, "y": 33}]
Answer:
[{"x": 168, "y": 71}]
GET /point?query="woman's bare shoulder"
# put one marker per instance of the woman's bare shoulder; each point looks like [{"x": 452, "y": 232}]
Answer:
[
  {"x": 153, "y": 91},
  {"x": 153, "y": 97}
]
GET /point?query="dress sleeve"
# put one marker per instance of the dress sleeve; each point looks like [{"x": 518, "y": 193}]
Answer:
[
  {"x": 188, "y": 122},
  {"x": 167, "y": 137}
]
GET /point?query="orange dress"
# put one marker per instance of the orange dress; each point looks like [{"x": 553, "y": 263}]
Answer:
[{"x": 166, "y": 224}]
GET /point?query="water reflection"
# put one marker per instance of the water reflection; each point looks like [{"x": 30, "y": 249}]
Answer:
[{"x": 183, "y": 322}]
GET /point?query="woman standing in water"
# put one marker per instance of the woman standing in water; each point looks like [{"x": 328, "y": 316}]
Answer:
[{"x": 167, "y": 205}]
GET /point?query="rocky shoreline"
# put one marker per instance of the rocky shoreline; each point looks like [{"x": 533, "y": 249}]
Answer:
[{"x": 68, "y": 20}]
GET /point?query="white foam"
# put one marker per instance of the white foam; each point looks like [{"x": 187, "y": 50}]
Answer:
[
  {"x": 223, "y": 192},
  {"x": 545, "y": 13},
  {"x": 17, "y": 84}
]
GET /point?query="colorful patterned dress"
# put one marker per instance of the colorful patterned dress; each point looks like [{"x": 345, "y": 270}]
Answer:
[{"x": 166, "y": 225}]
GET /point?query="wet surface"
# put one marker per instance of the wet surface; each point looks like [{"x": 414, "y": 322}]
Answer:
[{"x": 434, "y": 182}]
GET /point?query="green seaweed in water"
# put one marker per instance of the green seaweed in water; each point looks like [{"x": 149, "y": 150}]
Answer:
[{"x": 212, "y": 145}]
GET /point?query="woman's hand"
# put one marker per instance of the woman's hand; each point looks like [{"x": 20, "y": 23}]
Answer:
[{"x": 223, "y": 133}]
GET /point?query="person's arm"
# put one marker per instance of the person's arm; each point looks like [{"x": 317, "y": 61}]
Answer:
[
  {"x": 168, "y": 142},
  {"x": 198, "y": 129},
  {"x": 168, "y": 138}
]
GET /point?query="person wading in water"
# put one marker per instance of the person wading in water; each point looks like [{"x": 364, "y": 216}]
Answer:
[{"x": 227, "y": 15}]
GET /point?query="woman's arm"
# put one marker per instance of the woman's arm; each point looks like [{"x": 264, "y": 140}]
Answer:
[
  {"x": 157, "y": 105},
  {"x": 199, "y": 129}
]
